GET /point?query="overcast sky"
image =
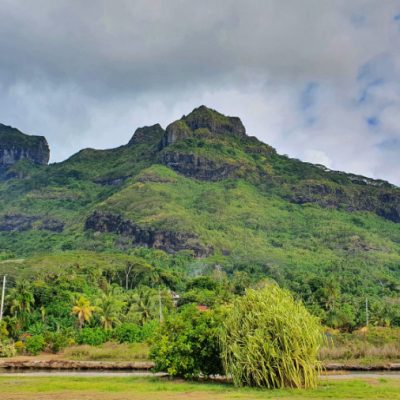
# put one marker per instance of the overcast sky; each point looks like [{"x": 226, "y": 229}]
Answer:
[{"x": 317, "y": 79}]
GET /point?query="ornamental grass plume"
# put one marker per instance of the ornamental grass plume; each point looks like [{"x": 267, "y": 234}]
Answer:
[{"x": 270, "y": 340}]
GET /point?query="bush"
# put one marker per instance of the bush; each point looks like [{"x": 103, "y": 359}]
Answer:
[
  {"x": 149, "y": 329},
  {"x": 128, "y": 333},
  {"x": 19, "y": 347},
  {"x": 270, "y": 340},
  {"x": 187, "y": 343},
  {"x": 34, "y": 344},
  {"x": 92, "y": 336},
  {"x": 132, "y": 333},
  {"x": 37, "y": 328},
  {"x": 7, "y": 348},
  {"x": 3, "y": 330},
  {"x": 56, "y": 341}
]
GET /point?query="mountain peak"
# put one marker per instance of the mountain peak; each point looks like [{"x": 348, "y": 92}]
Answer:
[
  {"x": 215, "y": 122},
  {"x": 203, "y": 118},
  {"x": 15, "y": 146},
  {"x": 147, "y": 134}
]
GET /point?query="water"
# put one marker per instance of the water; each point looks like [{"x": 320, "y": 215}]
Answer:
[
  {"x": 79, "y": 373},
  {"x": 362, "y": 375},
  {"x": 139, "y": 374}
]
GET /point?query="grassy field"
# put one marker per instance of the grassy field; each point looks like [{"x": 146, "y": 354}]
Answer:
[
  {"x": 106, "y": 388},
  {"x": 109, "y": 351}
]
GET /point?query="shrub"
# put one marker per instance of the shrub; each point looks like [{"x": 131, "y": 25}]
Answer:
[
  {"x": 92, "y": 336},
  {"x": 187, "y": 343},
  {"x": 149, "y": 330},
  {"x": 37, "y": 328},
  {"x": 132, "y": 333},
  {"x": 56, "y": 341},
  {"x": 19, "y": 347},
  {"x": 3, "y": 330},
  {"x": 270, "y": 340},
  {"x": 7, "y": 348},
  {"x": 128, "y": 333},
  {"x": 34, "y": 344}
]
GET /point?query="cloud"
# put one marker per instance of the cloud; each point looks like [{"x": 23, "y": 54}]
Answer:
[{"x": 316, "y": 79}]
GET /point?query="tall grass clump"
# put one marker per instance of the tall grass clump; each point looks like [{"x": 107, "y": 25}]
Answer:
[{"x": 270, "y": 340}]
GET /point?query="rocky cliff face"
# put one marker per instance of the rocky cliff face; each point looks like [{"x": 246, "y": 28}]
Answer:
[
  {"x": 201, "y": 125},
  {"x": 169, "y": 241},
  {"x": 198, "y": 167},
  {"x": 203, "y": 117},
  {"x": 15, "y": 146},
  {"x": 21, "y": 223},
  {"x": 147, "y": 134},
  {"x": 378, "y": 200},
  {"x": 203, "y": 121}
]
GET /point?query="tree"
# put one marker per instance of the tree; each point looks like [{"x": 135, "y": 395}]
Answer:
[
  {"x": 144, "y": 305},
  {"x": 136, "y": 272},
  {"x": 21, "y": 298},
  {"x": 83, "y": 311},
  {"x": 187, "y": 343},
  {"x": 329, "y": 293},
  {"x": 270, "y": 340},
  {"x": 109, "y": 308}
]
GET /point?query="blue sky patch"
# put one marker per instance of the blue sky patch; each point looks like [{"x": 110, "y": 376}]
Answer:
[
  {"x": 365, "y": 91},
  {"x": 389, "y": 144},
  {"x": 358, "y": 20},
  {"x": 307, "y": 96},
  {"x": 373, "y": 122}
]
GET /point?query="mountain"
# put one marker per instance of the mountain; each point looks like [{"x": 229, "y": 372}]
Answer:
[
  {"x": 16, "y": 146},
  {"x": 205, "y": 188}
]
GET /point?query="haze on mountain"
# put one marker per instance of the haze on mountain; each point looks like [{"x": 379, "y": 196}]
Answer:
[{"x": 317, "y": 80}]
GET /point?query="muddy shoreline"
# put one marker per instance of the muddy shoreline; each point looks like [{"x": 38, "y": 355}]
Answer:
[
  {"x": 146, "y": 366},
  {"x": 57, "y": 364}
]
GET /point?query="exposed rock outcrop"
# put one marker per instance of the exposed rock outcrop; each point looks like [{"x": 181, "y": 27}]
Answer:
[
  {"x": 20, "y": 223},
  {"x": 52, "y": 225},
  {"x": 194, "y": 166},
  {"x": 15, "y": 146},
  {"x": 377, "y": 200},
  {"x": 202, "y": 118},
  {"x": 201, "y": 124},
  {"x": 147, "y": 134},
  {"x": 17, "y": 222},
  {"x": 176, "y": 131},
  {"x": 169, "y": 241},
  {"x": 112, "y": 181}
]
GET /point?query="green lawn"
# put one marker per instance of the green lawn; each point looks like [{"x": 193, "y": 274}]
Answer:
[{"x": 107, "y": 388}]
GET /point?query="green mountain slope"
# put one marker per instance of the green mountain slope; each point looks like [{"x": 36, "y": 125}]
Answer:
[{"x": 204, "y": 187}]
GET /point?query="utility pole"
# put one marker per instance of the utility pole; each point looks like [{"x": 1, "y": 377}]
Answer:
[
  {"x": 366, "y": 312},
  {"x": 2, "y": 297}
]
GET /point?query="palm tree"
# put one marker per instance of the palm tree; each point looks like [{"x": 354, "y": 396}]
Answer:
[
  {"x": 21, "y": 298},
  {"x": 110, "y": 306},
  {"x": 143, "y": 305},
  {"x": 83, "y": 311},
  {"x": 332, "y": 293}
]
